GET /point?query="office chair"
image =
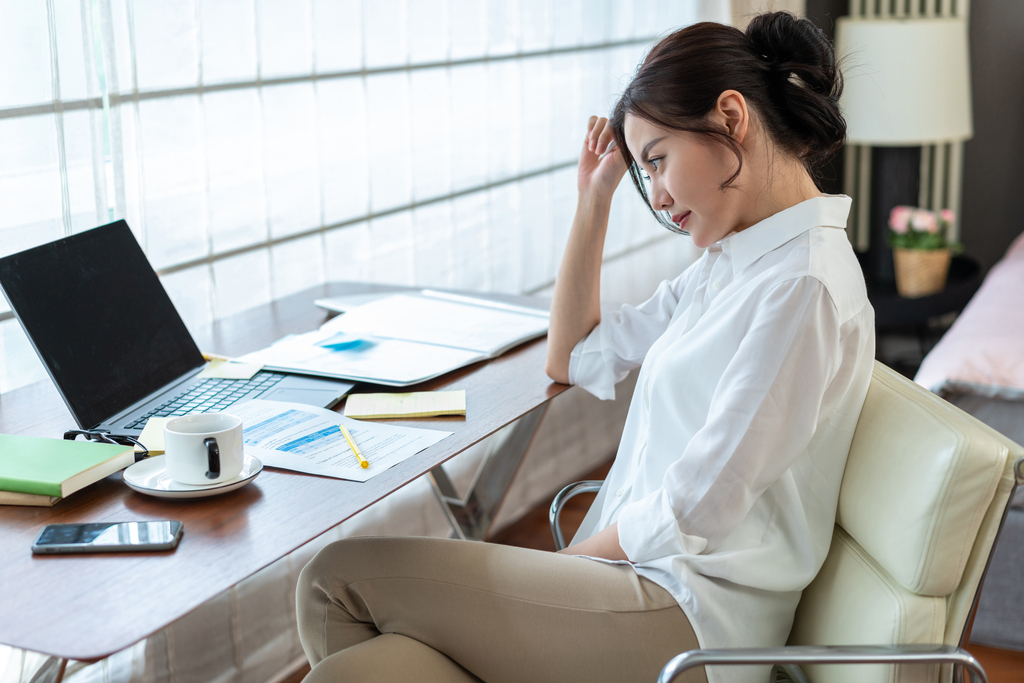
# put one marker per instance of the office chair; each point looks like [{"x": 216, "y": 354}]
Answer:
[{"x": 924, "y": 495}]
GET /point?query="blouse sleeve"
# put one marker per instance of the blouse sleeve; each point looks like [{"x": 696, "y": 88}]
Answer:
[
  {"x": 621, "y": 340},
  {"x": 762, "y": 417}
]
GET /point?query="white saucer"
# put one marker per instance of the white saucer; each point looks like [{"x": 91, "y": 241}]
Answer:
[{"x": 150, "y": 476}]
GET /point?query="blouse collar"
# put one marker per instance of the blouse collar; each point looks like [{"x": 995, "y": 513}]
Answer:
[{"x": 826, "y": 211}]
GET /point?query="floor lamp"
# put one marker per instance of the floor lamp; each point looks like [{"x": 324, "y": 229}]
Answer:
[{"x": 907, "y": 84}]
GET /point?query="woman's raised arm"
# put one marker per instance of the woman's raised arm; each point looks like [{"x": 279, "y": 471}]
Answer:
[{"x": 575, "y": 306}]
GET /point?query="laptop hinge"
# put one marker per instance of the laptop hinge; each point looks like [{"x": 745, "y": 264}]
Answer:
[{"x": 155, "y": 397}]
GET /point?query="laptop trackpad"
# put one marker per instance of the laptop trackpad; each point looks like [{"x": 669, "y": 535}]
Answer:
[{"x": 314, "y": 397}]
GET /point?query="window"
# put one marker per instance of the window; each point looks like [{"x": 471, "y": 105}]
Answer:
[{"x": 260, "y": 147}]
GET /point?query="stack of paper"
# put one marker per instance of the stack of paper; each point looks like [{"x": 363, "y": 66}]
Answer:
[{"x": 402, "y": 339}]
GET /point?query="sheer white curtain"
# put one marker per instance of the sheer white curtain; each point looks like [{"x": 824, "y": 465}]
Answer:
[{"x": 259, "y": 147}]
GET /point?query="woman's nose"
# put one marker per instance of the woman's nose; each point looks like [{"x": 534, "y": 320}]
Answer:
[{"x": 660, "y": 199}]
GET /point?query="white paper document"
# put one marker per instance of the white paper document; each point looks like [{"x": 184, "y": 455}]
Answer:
[
  {"x": 401, "y": 339},
  {"x": 304, "y": 438},
  {"x": 456, "y": 324},
  {"x": 382, "y": 361}
]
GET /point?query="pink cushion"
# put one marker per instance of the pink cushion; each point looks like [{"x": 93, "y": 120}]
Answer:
[{"x": 983, "y": 352}]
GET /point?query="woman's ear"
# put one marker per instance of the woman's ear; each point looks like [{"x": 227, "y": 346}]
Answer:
[{"x": 731, "y": 110}]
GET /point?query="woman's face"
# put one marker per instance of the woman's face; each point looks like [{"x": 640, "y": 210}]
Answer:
[{"x": 686, "y": 172}]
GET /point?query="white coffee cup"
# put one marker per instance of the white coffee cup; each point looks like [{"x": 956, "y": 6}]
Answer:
[{"x": 205, "y": 448}]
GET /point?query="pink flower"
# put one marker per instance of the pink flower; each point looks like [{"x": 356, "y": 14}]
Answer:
[
  {"x": 924, "y": 221},
  {"x": 948, "y": 216},
  {"x": 899, "y": 219}
]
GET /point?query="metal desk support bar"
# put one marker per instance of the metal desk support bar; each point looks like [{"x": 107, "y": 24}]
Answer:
[
  {"x": 471, "y": 517},
  {"x": 50, "y": 671}
]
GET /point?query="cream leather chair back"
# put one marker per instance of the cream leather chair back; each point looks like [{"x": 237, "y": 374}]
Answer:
[{"x": 922, "y": 499}]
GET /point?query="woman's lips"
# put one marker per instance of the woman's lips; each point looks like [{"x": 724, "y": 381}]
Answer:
[{"x": 681, "y": 219}]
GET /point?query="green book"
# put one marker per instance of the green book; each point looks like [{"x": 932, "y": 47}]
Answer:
[{"x": 56, "y": 467}]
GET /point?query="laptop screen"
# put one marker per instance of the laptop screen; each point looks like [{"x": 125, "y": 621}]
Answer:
[{"x": 99, "y": 319}]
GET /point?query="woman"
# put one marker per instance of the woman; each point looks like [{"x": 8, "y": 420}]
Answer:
[{"x": 755, "y": 362}]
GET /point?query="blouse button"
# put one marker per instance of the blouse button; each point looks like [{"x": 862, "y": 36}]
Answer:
[
  {"x": 618, "y": 493},
  {"x": 717, "y": 285}
]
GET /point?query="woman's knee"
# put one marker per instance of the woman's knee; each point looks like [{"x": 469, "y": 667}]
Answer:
[
  {"x": 308, "y": 588},
  {"x": 375, "y": 557},
  {"x": 323, "y": 576},
  {"x": 330, "y": 616},
  {"x": 336, "y": 565}
]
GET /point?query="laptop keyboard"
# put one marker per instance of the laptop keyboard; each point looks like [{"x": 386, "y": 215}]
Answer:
[{"x": 209, "y": 396}]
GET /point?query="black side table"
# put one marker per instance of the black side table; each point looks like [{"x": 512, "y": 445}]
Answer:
[{"x": 895, "y": 315}]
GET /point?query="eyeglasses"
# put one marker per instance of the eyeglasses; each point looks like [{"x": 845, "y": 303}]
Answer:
[{"x": 97, "y": 436}]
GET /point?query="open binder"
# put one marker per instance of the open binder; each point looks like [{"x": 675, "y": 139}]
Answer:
[{"x": 405, "y": 339}]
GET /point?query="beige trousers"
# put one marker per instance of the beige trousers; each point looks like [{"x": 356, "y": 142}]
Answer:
[{"x": 426, "y": 610}]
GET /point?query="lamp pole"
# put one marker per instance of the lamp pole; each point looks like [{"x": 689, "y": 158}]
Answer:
[{"x": 895, "y": 180}]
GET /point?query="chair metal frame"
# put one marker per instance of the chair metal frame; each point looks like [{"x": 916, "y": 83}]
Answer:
[
  {"x": 788, "y": 655},
  {"x": 561, "y": 498}
]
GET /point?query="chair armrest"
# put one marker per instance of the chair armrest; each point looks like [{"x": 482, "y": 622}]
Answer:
[
  {"x": 826, "y": 654},
  {"x": 560, "y": 499}
]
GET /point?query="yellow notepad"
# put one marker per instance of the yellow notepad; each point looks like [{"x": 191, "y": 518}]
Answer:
[
  {"x": 152, "y": 436},
  {"x": 222, "y": 368},
  {"x": 410, "y": 404}
]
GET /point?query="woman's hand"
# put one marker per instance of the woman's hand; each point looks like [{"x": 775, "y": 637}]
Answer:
[
  {"x": 599, "y": 175},
  {"x": 603, "y": 544}
]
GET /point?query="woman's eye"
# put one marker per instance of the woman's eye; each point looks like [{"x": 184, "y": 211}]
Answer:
[{"x": 655, "y": 163}]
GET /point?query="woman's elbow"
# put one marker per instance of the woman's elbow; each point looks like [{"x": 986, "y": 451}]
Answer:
[{"x": 557, "y": 370}]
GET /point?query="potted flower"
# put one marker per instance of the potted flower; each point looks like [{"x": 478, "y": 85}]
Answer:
[{"x": 921, "y": 249}]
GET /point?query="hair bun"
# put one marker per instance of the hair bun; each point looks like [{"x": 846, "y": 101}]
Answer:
[
  {"x": 792, "y": 47},
  {"x": 796, "y": 46}
]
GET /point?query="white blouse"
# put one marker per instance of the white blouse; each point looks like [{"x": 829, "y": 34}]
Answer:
[{"x": 755, "y": 362}]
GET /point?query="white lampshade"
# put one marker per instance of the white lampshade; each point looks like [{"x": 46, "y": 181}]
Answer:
[{"x": 908, "y": 81}]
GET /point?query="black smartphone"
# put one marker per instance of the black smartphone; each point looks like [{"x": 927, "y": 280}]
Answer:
[{"x": 107, "y": 537}]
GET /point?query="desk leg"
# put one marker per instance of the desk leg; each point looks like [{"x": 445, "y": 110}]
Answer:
[
  {"x": 50, "y": 671},
  {"x": 471, "y": 517}
]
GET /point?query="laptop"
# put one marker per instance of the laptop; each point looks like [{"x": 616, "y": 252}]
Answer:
[{"x": 113, "y": 343}]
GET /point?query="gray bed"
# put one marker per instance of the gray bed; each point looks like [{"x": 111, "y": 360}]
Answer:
[
  {"x": 1000, "y": 618},
  {"x": 978, "y": 366}
]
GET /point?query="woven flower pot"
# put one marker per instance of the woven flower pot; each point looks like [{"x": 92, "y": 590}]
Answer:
[{"x": 920, "y": 272}]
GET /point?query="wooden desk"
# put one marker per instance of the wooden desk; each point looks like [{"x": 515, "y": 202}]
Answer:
[{"x": 88, "y": 607}]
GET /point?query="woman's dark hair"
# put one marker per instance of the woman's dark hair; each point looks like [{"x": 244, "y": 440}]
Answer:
[{"x": 783, "y": 66}]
